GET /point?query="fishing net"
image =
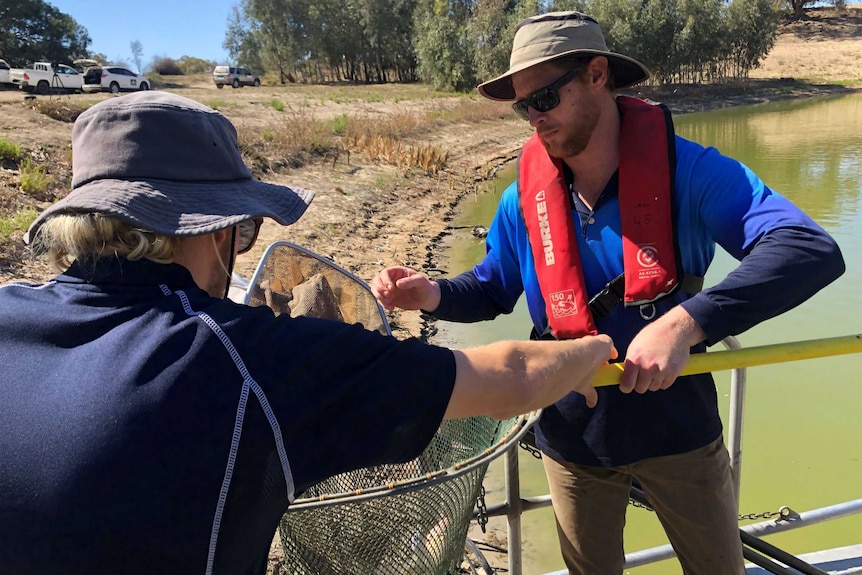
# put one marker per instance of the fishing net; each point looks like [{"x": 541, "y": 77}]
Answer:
[
  {"x": 293, "y": 280},
  {"x": 408, "y": 518}
]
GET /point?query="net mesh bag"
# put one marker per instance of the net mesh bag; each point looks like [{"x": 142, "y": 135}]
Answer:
[{"x": 409, "y": 518}]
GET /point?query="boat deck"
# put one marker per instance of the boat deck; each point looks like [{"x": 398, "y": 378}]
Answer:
[{"x": 838, "y": 561}]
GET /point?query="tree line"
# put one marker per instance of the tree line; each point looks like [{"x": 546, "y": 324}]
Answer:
[
  {"x": 455, "y": 44},
  {"x": 449, "y": 44}
]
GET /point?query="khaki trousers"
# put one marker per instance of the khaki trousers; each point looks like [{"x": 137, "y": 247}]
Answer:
[{"x": 692, "y": 494}]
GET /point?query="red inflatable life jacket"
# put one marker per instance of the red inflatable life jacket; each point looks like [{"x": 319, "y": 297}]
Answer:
[{"x": 645, "y": 188}]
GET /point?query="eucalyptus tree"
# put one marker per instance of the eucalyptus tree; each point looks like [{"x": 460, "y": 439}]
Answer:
[
  {"x": 33, "y": 30},
  {"x": 645, "y": 30},
  {"x": 490, "y": 31},
  {"x": 443, "y": 47},
  {"x": 582, "y": 6},
  {"x": 387, "y": 27},
  {"x": 374, "y": 19},
  {"x": 400, "y": 43},
  {"x": 274, "y": 27},
  {"x": 342, "y": 45},
  {"x": 752, "y": 27},
  {"x": 702, "y": 41},
  {"x": 137, "y": 53}
]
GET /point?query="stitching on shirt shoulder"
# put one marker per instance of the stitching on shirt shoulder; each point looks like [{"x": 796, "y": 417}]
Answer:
[{"x": 28, "y": 286}]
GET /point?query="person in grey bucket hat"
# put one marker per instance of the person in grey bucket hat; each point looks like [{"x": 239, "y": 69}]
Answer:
[
  {"x": 610, "y": 227},
  {"x": 150, "y": 425}
]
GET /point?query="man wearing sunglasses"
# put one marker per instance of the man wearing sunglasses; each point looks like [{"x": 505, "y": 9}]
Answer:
[
  {"x": 610, "y": 228},
  {"x": 152, "y": 426}
]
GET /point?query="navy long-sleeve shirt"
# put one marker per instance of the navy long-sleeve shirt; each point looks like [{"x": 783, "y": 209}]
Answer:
[{"x": 785, "y": 258}]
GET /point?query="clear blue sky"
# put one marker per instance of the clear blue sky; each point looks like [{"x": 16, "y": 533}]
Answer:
[{"x": 165, "y": 28}]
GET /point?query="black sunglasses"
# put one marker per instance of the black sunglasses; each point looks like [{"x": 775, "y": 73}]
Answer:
[
  {"x": 545, "y": 99},
  {"x": 246, "y": 234}
]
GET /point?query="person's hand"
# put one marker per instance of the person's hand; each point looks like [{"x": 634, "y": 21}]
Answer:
[
  {"x": 405, "y": 288},
  {"x": 599, "y": 349},
  {"x": 658, "y": 354}
]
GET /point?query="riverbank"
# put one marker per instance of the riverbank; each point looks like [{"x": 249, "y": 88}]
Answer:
[{"x": 369, "y": 212}]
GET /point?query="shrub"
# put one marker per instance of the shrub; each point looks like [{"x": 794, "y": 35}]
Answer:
[
  {"x": 34, "y": 180},
  {"x": 167, "y": 67},
  {"x": 9, "y": 152},
  {"x": 339, "y": 124}
]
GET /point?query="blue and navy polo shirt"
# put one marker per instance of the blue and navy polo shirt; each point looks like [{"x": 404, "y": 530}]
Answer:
[{"x": 150, "y": 428}]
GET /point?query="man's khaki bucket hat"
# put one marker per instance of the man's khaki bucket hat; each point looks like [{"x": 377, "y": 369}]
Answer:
[{"x": 554, "y": 35}]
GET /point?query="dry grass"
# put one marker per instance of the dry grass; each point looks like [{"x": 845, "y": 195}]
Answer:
[
  {"x": 826, "y": 46},
  {"x": 395, "y": 139},
  {"x": 59, "y": 108}
]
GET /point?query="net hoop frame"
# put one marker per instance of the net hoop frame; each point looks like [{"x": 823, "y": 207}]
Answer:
[
  {"x": 519, "y": 427},
  {"x": 274, "y": 245}
]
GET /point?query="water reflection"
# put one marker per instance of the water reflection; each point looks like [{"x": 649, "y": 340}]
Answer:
[{"x": 810, "y": 151}]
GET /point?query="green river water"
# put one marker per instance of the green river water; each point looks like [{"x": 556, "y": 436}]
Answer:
[{"x": 802, "y": 425}]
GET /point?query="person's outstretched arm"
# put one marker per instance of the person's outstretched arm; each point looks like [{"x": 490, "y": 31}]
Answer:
[{"x": 508, "y": 378}]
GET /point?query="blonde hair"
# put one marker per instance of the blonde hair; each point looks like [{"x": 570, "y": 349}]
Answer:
[{"x": 65, "y": 238}]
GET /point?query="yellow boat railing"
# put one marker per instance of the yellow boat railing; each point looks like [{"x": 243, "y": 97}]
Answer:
[{"x": 750, "y": 357}]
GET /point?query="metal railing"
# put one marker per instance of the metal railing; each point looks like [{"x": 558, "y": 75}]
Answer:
[{"x": 515, "y": 505}]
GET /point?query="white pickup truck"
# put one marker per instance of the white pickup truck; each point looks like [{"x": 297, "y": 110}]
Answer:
[
  {"x": 44, "y": 78},
  {"x": 4, "y": 73}
]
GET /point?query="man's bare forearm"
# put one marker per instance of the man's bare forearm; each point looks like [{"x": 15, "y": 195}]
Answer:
[{"x": 508, "y": 378}]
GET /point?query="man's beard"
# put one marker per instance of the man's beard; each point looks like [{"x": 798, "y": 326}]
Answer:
[{"x": 574, "y": 137}]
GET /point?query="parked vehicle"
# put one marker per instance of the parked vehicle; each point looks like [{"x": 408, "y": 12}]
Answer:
[
  {"x": 4, "y": 72},
  {"x": 45, "y": 77},
  {"x": 234, "y": 76},
  {"x": 110, "y": 78}
]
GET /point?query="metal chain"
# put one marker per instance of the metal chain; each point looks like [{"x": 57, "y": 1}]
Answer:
[
  {"x": 482, "y": 509},
  {"x": 785, "y": 513},
  {"x": 639, "y": 505},
  {"x": 531, "y": 449}
]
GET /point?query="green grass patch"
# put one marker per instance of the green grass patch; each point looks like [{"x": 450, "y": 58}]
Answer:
[
  {"x": 9, "y": 151},
  {"x": 17, "y": 222},
  {"x": 277, "y": 105},
  {"x": 339, "y": 124},
  {"x": 34, "y": 180},
  {"x": 217, "y": 104}
]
